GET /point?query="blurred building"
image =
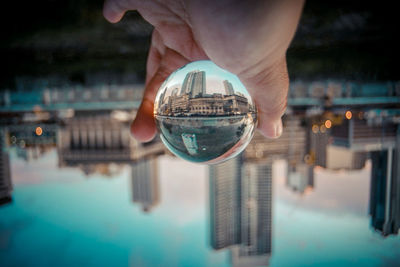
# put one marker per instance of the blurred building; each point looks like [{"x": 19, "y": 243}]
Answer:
[
  {"x": 384, "y": 204},
  {"x": 290, "y": 145},
  {"x": 316, "y": 145},
  {"x": 256, "y": 217},
  {"x": 5, "y": 175},
  {"x": 49, "y": 97},
  {"x": 358, "y": 135},
  {"x": 145, "y": 183},
  {"x": 345, "y": 158},
  {"x": 33, "y": 134},
  {"x": 32, "y": 140},
  {"x": 300, "y": 178},
  {"x": 96, "y": 93},
  {"x": 225, "y": 203},
  {"x": 298, "y": 89},
  {"x": 241, "y": 210},
  {"x": 296, "y": 138},
  {"x": 93, "y": 139},
  {"x": 89, "y": 139}
]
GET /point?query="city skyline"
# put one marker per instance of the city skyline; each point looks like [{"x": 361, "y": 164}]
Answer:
[
  {"x": 215, "y": 77},
  {"x": 191, "y": 98},
  {"x": 79, "y": 143}
]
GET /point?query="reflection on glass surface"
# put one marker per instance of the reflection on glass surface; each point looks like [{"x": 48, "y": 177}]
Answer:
[{"x": 204, "y": 113}]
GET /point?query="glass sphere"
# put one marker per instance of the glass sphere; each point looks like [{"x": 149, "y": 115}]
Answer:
[{"x": 204, "y": 113}]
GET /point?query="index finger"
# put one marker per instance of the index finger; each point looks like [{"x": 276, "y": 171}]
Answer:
[{"x": 114, "y": 10}]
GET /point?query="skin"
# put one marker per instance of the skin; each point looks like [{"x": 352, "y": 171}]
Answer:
[{"x": 248, "y": 38}]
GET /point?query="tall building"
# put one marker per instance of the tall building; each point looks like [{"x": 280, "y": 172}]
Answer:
[
  {"x": 162, "y": 96},
  {"x": 256, "y": 216},
  {"x": 174, "y": 92},
  {"x": 225, "y": 203},
  {"x": 241, "y": 210},
  {"x": 91, "y": 139},
  {"x": 194, "y": 84},
  {"x": 358, "y": 135},
  {"x": 228, "y": 88},
  {"x": 145, "y": 184},
  {"x": 317, "y": 143},
  {"x": 296, "y": 139},
  {"x": 5, "y": 176},
  {"x": 300, "y": 177},
  {"x": 384, "y": 204},
  {"x": 187, "y": 83}
]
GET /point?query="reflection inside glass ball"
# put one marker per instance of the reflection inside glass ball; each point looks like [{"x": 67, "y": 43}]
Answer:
[{"x": 204, "y": 113}]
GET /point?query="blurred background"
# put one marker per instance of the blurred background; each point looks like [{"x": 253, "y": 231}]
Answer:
[{"x": 76, "y": 189}]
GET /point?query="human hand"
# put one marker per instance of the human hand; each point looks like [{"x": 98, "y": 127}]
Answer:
[{"x": 247, "y": 38}]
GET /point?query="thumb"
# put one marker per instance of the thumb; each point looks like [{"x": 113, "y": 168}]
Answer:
[
  {"x": 269, "y": 89},
  {"x": 143, "y": 127}
]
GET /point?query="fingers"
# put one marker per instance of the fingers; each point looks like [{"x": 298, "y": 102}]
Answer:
[
  {"x": 157, "y": 49},
  {"x": 269, "y": 89},
  {"x": 143, "y": 127},
  {"x": 114, "y": 10}
]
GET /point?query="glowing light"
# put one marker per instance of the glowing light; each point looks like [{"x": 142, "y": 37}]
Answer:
[
  {"x": 328, "y": 124},
  {"x": 315, "y": 128},
  {"x": 348, "y": 114},
  {"x": 39, "y": 131}
]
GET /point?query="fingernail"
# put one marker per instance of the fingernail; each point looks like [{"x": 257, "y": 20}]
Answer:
[{"x": 278, "y": 129}]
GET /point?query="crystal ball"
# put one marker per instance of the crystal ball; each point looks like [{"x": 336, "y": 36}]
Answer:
[{"x": 204, "y": 113}]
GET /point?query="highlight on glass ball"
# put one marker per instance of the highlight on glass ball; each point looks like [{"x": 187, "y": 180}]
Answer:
[{"x": 204, "y": 113}]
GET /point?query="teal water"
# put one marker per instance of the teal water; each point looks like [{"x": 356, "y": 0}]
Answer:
[{"x": 61, "y": 217}]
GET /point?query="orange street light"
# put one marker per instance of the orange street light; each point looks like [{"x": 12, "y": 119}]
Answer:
[
  {"x": 39, "y": 131},
  {"x": 328, "y": 124},
  {"x": 348, "y": 114}
]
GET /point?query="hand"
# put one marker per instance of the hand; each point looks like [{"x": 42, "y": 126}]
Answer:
[{"x": 248, "y": 38}]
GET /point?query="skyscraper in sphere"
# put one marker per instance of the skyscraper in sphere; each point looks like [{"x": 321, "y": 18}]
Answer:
[
  {"x": 194, "y": 84},
  {"x": 228, "y": 88}
]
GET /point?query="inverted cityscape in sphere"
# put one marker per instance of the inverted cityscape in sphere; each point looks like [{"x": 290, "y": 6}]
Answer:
[{"x": 204, "y": 113}]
